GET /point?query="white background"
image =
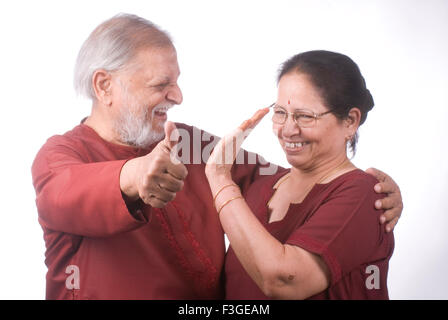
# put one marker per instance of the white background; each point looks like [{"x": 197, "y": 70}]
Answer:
[{"x": 229, "y": 53}]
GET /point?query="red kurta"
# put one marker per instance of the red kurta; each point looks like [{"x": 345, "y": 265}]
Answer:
[
  {"x": 336, "y": 221},
  {"x": 99, "y": 247}
]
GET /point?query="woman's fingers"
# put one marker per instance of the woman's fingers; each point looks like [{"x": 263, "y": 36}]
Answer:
[
  {"x": 256, "y": 118},
  {"x": 228, "y": 147}
]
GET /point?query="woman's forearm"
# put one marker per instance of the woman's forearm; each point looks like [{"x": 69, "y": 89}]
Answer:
[
  {"x": 259, "y": 252},
  {"x": 281, "y": 271}
]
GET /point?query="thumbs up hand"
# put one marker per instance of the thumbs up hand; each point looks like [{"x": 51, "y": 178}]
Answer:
[
  {"x": 171, "y": 136},
  {"x": 156, "y": 177}
]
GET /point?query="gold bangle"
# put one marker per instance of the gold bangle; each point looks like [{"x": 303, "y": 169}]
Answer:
[
  {"x": 217, "y": 193},
  {"x": 228, "y": 201}
]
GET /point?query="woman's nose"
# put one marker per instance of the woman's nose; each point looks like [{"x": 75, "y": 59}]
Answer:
[{"x": 290, "y": 127}]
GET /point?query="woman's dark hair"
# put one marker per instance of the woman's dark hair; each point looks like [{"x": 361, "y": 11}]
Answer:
[{"x": 338, "y": 79}]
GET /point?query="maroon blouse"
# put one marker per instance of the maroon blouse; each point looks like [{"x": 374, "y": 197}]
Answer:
[{"x": 336, "y": 221}]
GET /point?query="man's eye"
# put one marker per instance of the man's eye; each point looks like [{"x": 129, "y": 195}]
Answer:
[{"x": 160, "y": 86}]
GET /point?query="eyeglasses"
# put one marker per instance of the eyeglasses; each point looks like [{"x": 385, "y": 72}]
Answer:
[{"x": 302, "y": 117}]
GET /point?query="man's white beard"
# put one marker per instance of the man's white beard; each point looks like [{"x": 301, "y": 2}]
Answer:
[{"x": 134, "y": 127}]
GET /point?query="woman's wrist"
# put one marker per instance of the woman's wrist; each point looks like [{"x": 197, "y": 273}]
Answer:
[
  {"x": 218, "y": 181},
  {"x": 225, "y": 193}
]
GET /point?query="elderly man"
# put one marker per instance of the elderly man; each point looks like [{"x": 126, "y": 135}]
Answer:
[{"x": 121, "y": 219}]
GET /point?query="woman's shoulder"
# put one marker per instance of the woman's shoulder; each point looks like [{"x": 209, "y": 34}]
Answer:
[
  {"x": 353, "y": 184},
  {"x": 355, "y": 177}
]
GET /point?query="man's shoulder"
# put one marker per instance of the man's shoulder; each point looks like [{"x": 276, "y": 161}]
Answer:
[
  {"x": 57, "y": 148},
  {"x": 72, "y": 137},
  {"x": 73, "y": 142},
  {"x": 190, "y": 128}
]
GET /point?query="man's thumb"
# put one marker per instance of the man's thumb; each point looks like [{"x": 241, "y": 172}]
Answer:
[{"x": 171, "y": 135}]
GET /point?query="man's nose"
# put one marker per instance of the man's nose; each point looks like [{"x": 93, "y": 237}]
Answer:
[{"x": 174, "y": 95}]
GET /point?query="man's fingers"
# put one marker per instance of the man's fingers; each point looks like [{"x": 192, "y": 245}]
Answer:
[
  {"x": 391, "y": 225},
  {"x": 171, "y": 184},
  {"x": 177, "y": 171},
  {"x": 151, "y": 200},
  {"x": 160, "y": 178},
  {"x": 386, "y": 183},
  {"x": 389, "y": 215},
  {"x": 385, "y": 203},
  {"x": 165, "y": 195},
  {"x": 154, "y": 202},
  {"x": 380, "y": 175},
  {"x": 158, "y": 195},
  {"x": 161, "y": 190},
  {"x": 387, "y": 186}
]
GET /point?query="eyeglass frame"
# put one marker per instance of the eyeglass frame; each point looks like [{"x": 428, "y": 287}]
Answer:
[{"x": 316, "y": 116}]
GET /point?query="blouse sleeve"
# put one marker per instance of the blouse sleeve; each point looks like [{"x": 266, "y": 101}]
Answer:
[{"x": 345, "y": 229}]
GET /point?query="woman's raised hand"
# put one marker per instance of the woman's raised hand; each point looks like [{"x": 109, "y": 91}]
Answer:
[{"x": 220, "y": 163}]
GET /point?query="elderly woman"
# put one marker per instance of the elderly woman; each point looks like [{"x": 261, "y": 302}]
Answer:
[{"x": 311, "y": 231}]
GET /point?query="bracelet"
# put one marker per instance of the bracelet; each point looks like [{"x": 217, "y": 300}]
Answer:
[
  {"x": 219, "y": 191},
  {"x": 228, "y": 201}
]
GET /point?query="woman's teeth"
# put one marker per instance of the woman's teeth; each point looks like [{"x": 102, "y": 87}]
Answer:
[{"x": 295, "y": 145}]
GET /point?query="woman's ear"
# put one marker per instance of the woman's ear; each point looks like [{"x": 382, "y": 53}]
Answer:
[
  {"x": 102, "y": 86},
  {"x": 352, "y": 121}
]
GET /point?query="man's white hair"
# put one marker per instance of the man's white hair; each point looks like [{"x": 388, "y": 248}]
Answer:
[{"x": 112, "y": 45}]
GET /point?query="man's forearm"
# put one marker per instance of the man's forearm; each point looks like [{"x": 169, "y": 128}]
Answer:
[{"x": 84, "y": 199}]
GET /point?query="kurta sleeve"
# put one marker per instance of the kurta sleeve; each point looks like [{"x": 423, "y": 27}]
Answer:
[
  {"x": 81, "y": 197},
  {"x": 345, "y": 230}
]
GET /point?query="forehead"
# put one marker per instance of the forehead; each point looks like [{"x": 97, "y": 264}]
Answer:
[
  {"x": 155, "y": 63},
  {"x": 299, "y": 90}
]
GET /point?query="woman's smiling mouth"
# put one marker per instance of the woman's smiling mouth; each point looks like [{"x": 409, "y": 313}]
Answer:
[{"x": 295, "y": 146}]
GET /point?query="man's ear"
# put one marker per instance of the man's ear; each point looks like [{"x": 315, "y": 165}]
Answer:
[{"x": 102, "y": 85}]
